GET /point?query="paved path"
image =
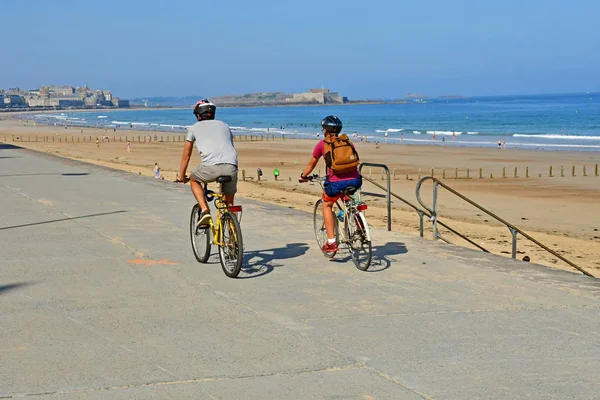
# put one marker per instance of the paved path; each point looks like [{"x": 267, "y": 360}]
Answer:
[{"x": 79, "y": 320}]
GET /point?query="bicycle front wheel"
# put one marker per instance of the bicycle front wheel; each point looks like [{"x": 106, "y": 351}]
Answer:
[
  {"x": 319, "y": 225},
  {"x": 231, "y": 248},
  {"x": 200, "y": 237},
  {"x": 359, "y": 240}
]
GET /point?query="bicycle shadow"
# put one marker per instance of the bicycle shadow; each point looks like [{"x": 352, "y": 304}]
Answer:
[
  {"x": 381, "y": 258},
  {"x": 261, "y": 262}
]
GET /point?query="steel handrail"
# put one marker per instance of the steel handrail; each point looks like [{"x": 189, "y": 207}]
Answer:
[
  {"x": 513, "y": 229},
  {"x": 387, "y": 192},
  {"x": 417, "y": 209}
]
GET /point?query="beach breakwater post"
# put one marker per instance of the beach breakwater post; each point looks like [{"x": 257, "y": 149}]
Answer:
[
  {"x": 562, "y": 172},
  {"x": 596, "y": 170},
  {"x": 244, "y": 175},
  {"x": 480, "y": 173},
  {"x": 584, "y": 171},
  {"x": 573, "y": 171},
  {"x": 526, "y": 172},
  {"x": 550, "y": 172},
  {"x": 504, "y": 172},
  {"x": 516, "y": 175}
]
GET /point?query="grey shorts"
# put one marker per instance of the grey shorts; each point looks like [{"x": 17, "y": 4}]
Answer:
[{"x": 210, "y": 173}]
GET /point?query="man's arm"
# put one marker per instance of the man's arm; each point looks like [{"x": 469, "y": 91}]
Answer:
[
  {"x": 185, "y": 159},
  {"x": 309, "y": 168}
]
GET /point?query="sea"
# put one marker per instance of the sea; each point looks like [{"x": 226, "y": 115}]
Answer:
[{"x": 539, "y": 122}]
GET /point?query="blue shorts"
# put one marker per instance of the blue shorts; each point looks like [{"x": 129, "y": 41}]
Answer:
[{"x": 333, "y": 190}]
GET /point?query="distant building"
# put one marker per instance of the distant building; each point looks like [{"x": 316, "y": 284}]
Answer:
[
  {"x": 120, "y": 103},
  {"x": 13, "y": 100},
  {"x": 317, "y": 96},
  {"x": 61, "y": 91}
]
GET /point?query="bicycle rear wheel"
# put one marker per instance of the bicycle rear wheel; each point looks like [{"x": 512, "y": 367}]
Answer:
[
  {"x": 359, "y": 240},
  {"x": 200, "y": 237},
  {"x": 232, "y": 247},
  {"x": 319, "y": 225}
]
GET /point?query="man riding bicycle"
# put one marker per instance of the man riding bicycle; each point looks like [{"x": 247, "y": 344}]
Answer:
[
  {"x": 342, "y": 172},
  {"x": 214, "y": 141}
]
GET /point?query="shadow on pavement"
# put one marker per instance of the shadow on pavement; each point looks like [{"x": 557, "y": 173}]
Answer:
[
  {"x": 50, "y": 173},
  {"x": 12, "y": 286},
  {"x": 61, "y": 219},
  {"x": 381, "y": 255},
  {"x": 262, "y": 262},
  {"x": 381, "y": 259},
  {"x": 9, "y": 157},
  {"x": 6, "y": 146}
]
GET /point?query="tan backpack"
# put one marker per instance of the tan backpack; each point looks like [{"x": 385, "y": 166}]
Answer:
[{"x": 340, "y": 155}]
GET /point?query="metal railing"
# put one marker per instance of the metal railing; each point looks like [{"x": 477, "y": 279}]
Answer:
[
  {"x": 388, "y": 194},
  {"x": 513, "y": 229}
]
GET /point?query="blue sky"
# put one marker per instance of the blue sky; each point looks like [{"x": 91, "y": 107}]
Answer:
[{"x": 364, "y": 49}]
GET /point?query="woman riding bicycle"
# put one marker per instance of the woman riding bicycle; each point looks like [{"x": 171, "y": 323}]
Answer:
[{"x": 342, "y": 172}]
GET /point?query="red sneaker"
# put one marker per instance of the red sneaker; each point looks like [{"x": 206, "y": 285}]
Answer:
[{"x": 330, "y": 247}]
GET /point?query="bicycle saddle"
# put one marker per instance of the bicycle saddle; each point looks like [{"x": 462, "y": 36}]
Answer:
[
  {"x": 350, "y": 190},
  {"x": 224, "y": 179}
]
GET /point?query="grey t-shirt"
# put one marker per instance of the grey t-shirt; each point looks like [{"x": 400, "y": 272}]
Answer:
[{"x": 214, "y": 141}]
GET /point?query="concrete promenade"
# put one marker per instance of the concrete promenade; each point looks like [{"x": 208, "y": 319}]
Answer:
[{"x": 101, "y": 298}]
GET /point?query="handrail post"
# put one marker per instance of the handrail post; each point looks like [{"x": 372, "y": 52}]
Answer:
[
  {"x": 420, "y": 222},
  {"x": 388, "y": 197},
  {"x": 513, "y": 232},
  {"x": 434, "y": 214},
  {"x": 389, "y": 200}
]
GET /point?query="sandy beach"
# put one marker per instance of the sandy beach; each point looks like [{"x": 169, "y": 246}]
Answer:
[{"x": 560, "y": 211}]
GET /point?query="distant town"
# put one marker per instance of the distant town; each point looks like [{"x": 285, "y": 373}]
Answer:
[
  {"x": 59, "y": 97},
  {"x": 70, "y": 97}
]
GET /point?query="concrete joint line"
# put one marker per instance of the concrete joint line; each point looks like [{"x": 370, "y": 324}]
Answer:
[
  {"x": 349, "y": 367},
  {"x": 474, "y": 311}
]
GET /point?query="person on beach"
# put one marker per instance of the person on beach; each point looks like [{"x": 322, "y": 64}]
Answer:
[
  {"x": 156, "y": 171},
  {"x": 342, "y": 162},
  {"x": 499, "y": 144},
  {"x": 97, "y": 143},
  {"x": 214, "y": 142},
  {"x": 128, "y": 146},
  {"x": 453, "y": 136}
]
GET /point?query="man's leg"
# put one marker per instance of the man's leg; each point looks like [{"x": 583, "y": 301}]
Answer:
[{"x": 198, "y": 191}]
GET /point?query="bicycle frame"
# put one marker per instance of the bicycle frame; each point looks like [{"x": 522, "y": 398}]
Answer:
[
  {"x": 347, "y": 203},
  {"x": 222, "y": 207}
]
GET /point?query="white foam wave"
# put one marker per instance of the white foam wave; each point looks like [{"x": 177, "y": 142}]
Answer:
[
  {"x": 102, "y": 116},
  {"x": 560, "y": 137},
  {"x": 444, "y": 133},
  {"x": 120, "y": 122},
  {"x": 472, "y": 133},
  {"x": 391, "y": 130}
]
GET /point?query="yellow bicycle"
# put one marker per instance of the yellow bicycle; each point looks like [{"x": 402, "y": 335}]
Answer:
[{"x": 225, "y": 232}]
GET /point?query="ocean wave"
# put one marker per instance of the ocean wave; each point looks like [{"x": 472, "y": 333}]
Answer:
[
  {"x": 102, "y": 116},
  {"x": 472, "y": 133},
  {"x": 443, "y": 133},
  {"x": 391, "y": 130},
  {"x": 555, "y": 136},
  {"x": 120, "y": 123}
]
